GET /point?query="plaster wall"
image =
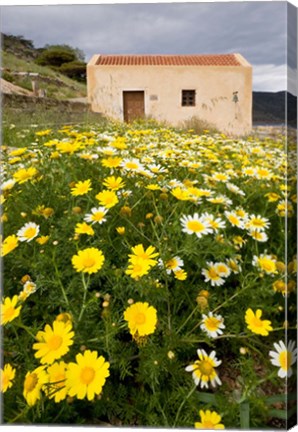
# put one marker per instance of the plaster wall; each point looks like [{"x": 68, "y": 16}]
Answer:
[{"x": 163, "y": 85}]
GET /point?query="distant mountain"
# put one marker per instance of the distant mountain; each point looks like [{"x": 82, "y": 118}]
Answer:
[{"x": 269, "y": 108}]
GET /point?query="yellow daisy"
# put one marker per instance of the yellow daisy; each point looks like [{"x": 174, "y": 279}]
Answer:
[
  {"x": 138, "y": 268},
  {"x": 141, "y": 318},
  {"x": 147, "y": 255},
  {"x": 88, "y": 376},
  {"x": 114, "y": 183},
  {"x": 88, "y": 260},
  {"x": 255, "y": 324},
  {"x": 25, "y": 174},
  {"x": 56, "y": 387},
  {"x": 53, "y": 343},
  {"x": 9, "y": 311},
  {"x": 84, "y": 228},
  {"x": 111, "y": 162},
  {"x": 107, "y": 198},
  {"x": 7, "y": 375},
  {"x": 209, "y": 420},
  {"x": 81, "y": 188},
  {"x": 33, "y": 384},
  {"x": 9, "y": 244}
]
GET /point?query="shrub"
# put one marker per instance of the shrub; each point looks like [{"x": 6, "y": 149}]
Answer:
[{"x": 75, "y": 70}]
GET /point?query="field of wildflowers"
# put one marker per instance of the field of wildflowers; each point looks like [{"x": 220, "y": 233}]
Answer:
[{"x": 149, "y": 278}]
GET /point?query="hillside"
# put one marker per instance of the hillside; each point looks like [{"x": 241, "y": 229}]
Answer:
[
  {"x": 269, "y": 108},
  {"x": 18, "y": 58}
]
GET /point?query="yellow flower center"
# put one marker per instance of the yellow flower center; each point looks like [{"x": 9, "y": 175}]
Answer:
[
  {"x": 285, "y": 358},
  {"x": 140, "y": 318},
  {"x": 208, "y": 424},
  {"x": 213, "y": 274},
  {"x": 267, "y": 265},
  {"x": 98, "y": 216},
  {"x": 171, "y": 264},
  {"x": 87, "y": 375},
  {"x": 131, "y": 165},
  {"x": 222, "y": 268},
  {"x": 256, "y": 322},
  {"x": 234, "y": 220},
  {"x": 30, "y": 232},
  {"x": 221, "y": 177},
  {"x": 257, "y": 222},
  {"x": 206, "y": 368},
  {"x": 108, "y": 199},
  {"x": 9, "y": 313},
  {"x": 55, "y": 342},
  {"x": 195, "y": 226},
  {"x": 30, "y": 382},
  {"x": 212, "y": 323},
  {"x": 89, "y": 262}
]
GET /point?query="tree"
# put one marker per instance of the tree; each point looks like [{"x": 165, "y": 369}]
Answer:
[
  {"x": 75, "y": 70},
  {"x": 55, "y": 56}
]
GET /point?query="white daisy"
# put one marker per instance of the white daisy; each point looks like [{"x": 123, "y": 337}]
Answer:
[
  {"x": 234, "y": 265},
  {"x": 220, "y": 177},
  {"x": 28, "y": 232},
  {"x": 235, "y": 189},
  {"x": 259, "y": 235},
  {"x": 212, "y": 276},
  {"x": 284, "y": 357},
  {"x": 215, "y": 223},
  {"x": 7, "y": 185},
  {"x": 157, "y": 168},
  {"x": 203, "y": 370},
  {"x": 97, "y": 215},
  {"x": 195, "y": 225},
  {"x": 257, "y": 223},
  {"x": 133, "y": 165},
  {"x": 222, "y": 269},
  {"x": 212, "y": 324},
  {"x": 234, "y": 219},
  {"x": 174, "y": 264}
]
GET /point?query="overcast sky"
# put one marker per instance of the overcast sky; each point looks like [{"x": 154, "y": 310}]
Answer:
[{"x": 257, "y": 30}]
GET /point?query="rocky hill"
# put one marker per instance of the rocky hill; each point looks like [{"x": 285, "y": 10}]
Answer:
[{"x": 270, "y": 108}]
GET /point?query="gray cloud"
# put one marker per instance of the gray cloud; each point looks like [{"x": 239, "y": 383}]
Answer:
[{"x": 258, "y": 30}]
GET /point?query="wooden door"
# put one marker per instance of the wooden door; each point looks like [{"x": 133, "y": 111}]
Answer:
[{"x": 133, "y": 105}]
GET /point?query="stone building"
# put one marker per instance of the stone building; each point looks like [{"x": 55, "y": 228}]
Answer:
[{"x": 173, "y": 88}]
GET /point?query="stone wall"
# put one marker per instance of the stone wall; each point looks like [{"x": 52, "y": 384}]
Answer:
[{"x": 26, "y": 103}]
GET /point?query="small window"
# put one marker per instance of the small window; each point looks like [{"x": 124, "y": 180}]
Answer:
[{"x": 188, "y": 97}]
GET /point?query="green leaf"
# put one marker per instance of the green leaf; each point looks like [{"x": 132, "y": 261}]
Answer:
[
  {"x": 281, "y": 398},
  {"x": 282, "y": 414},
  {"x": 207, "y": 398},
  {"x": 244, "y": 415}
]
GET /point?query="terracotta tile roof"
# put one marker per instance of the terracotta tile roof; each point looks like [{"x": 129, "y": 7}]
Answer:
[{"x": 169, "y": 60}]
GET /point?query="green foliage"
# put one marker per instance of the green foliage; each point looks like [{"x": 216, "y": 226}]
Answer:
[
  {"x": 55, "y": 57},
  {"x": 148, "y": 384},
  {"x": 74, "y": 70}
]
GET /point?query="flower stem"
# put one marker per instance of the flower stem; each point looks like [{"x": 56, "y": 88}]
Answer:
[
  {"x": 182, "y": 404},
  {"x": 85, "y": 285},
  {"x": 187, "y": 319},
  {"x": 60, "y": 283}
]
